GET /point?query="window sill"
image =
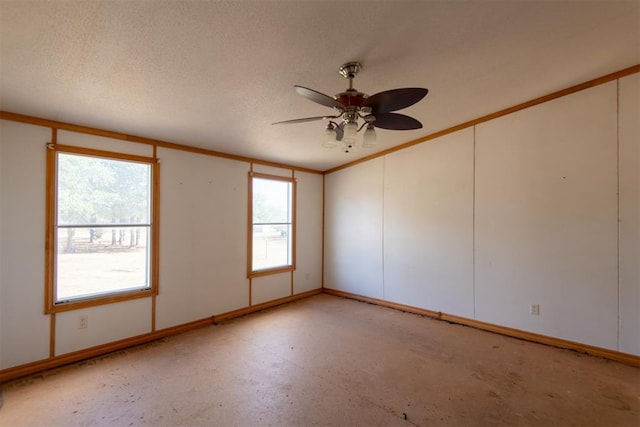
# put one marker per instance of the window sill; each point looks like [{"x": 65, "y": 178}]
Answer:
[
  {"x": 92, "y": 302},
  {"x": 270, "y": 271}
]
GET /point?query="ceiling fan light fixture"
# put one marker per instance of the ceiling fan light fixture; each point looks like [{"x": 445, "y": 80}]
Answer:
[
  {"x": 369, "y": 138},
  {"x": 330, "y": 137},
  {"x": 350, "y": 130}
]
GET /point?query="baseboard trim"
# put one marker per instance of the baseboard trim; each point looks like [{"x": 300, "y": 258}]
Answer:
[
  {"x": 100, "y": 350},
  {"x": 628, "y": 359},
  {"x": 32, "y": 368},
  {"x": 263, "y": 306}
]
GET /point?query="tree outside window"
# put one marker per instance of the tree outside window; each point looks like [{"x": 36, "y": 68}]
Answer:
[{"x": 102, "y": 231}]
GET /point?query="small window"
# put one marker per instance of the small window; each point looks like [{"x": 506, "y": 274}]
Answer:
[
  {"x": 102, "y": 232},
  {"x": 271, "y": 224}
]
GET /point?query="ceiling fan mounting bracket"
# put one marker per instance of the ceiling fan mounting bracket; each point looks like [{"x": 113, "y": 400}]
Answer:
[{"x": 350, "y": 69}]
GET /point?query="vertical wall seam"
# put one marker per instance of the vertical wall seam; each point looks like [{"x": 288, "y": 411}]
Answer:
[
  {"x": 49, "y": 291},
  {"x": 324, "y": 210},
  {"x": 473, "y": 224},
  {"x": 249, "y": 231},
  {"x": 157, "y": 258},
  {"x": 384, "y": 159},
  {"x": 618, "y": 211}
]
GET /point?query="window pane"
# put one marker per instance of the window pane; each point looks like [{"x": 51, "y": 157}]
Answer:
[
  {"x": 271, "y": 201},
  {"x": 94, "y": 190},
  {"x": 272, "y": 227},
  {"x": 271, "y": 246},
  {"x": 93, "y": 261}
]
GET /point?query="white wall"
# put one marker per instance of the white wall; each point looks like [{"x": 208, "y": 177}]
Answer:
[
  {"x": 629, "y": 232},
  {"x": 271, "y": 287},
  {"x": 203, "y": 246},
  {"x": 353, "y": 229},
  {"x": 106, "y": 323},
  {"x": 203, "y": 228},
  {"x": 308, "y": 273},
  {"x": 528, "y": 216},
  {"x": 428, "y": 225},
  {"x": 102, "y": 143},
  {"x": 546, "y": 218},
  {"x": 24, "y": 329}
]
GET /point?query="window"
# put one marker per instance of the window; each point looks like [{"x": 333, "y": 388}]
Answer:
[
  {"x": 100, "y": 228},
  {"x": 272, "y": 224}
]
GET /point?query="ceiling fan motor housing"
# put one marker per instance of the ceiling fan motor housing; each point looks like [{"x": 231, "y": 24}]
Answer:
[{"x": 351, "y": 98}]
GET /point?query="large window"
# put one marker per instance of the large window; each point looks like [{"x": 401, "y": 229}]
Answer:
[
  {"x": 101, "y": 228},
  {"x": 271, "y": 224}
]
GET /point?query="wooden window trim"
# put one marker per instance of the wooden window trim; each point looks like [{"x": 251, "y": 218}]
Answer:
[
  {"x": 50, "y": 259},
  {"x": 275, "y": 270}
]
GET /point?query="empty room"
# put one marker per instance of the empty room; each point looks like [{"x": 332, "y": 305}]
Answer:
[{"x": 340, "y": 213}]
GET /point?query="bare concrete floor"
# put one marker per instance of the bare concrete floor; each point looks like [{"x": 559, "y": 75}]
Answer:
[{"x": 331, "y": 361}]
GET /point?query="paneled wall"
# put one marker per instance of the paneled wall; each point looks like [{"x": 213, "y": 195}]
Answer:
[
  {"x": 203, "y": 246},
  {"x": 629, "y": 214},
  {"x": 545, "y": 218},
  {"x": 353, "y": 248},
  {"x": 428, "y": 210},
  {"x": 24, "y": 330},
  {"x": 517, "y": 211},
  {"x": 202, "y": 241}
]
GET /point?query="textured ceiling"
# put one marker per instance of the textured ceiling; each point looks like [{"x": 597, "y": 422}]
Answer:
[{"x": 216, "y": 74}]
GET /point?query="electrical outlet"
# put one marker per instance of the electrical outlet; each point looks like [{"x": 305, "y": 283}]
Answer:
[
  {"x": 83, "y": 321},
  {"x": 534, "y": 309}
]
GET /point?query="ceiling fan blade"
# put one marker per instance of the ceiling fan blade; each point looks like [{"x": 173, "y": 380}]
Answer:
[
  {"x": 305, "y": 119},
  {"x": 395, "y": 99},
  {"x": 395, "y": 121},
  {"x": 318, "y": 97}
]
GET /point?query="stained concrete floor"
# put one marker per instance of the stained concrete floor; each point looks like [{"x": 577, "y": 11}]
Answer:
[{"x": 336, "y": 362}]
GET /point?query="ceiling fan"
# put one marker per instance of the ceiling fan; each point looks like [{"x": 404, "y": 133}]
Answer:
[{"x": 352, "y": 105}]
